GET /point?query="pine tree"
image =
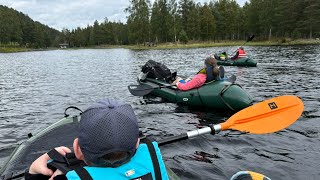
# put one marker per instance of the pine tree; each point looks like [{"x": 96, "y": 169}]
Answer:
[
  {"x": 207, "y": 23},
  {"x": 138, "y": 21},
  {"x": 311, "y": 18}
]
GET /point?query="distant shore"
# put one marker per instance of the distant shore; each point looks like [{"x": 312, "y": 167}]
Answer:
[
  {"x": 13, "y": 49},
  {"x": 178, "y": 45},
  {"x": 223, "y": 43},
  {"x": 22, "y": 49}
]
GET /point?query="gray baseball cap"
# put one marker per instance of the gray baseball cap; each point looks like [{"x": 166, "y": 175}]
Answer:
[{"x": 106, "y": 127}]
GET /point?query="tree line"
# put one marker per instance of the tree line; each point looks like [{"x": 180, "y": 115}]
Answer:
[
  {"x": 184, "y": 20},
  {"x": 17, "y": 29}
]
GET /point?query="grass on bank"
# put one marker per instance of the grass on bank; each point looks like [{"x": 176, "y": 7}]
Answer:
[
  {"x": 224, "y": 43},
  {"x": 282, "y": 42},
  {"x": 13, "y": 49},
  {"x": 22, "y": 49}
]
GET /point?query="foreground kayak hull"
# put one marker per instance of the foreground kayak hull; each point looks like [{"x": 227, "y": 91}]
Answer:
[
  {"x": 216, "y": 94},
  {"x": 60, "y": 133},
  {"x": 245, "y": 61}
]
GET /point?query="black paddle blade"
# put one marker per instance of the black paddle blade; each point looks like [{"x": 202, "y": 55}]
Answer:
[
  {"x": 250, "y": 38},
  {"x": 140, "y": 90}
]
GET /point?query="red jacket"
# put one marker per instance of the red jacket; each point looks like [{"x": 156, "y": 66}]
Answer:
[{"x": 242, "y": 53}]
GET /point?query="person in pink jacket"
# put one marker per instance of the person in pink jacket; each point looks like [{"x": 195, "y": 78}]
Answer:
[{"x": 208, "y": 73}]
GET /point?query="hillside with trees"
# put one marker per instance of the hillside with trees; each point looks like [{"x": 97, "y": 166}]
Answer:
[
  {"x": 17, "y": 29},
  {"x": 107, "y": 32}
]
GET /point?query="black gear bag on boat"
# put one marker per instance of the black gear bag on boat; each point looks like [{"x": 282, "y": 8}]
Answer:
[{"x": 157, "y": 70}]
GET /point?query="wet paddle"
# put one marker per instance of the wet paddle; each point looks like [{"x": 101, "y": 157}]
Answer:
[
  {"x": 265, "y": 117},
  {"x": 144, "y": 89}
]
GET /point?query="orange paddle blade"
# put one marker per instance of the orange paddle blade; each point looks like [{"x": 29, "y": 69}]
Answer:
[{"x": 266, "y": 117}]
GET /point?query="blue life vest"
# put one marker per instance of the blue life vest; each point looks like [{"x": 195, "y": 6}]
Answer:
[{"x": 140, "y": 165}]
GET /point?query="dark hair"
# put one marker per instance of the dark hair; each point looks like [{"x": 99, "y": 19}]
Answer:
[
  {"x": 212, "y": 62},
  {"x": 114, "y": 159}
]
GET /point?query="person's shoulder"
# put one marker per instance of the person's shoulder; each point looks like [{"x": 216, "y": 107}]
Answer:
[{"x": 200, "y": 75}]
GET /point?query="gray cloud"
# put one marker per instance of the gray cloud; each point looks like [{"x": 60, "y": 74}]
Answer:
[{"x": 60, "y": 14}]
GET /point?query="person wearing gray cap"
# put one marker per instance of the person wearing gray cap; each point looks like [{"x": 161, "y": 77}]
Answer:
[{"x": 107, "y": 147}]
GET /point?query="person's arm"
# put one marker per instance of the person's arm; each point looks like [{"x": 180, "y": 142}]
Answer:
[
  {"x": 39, "y": 169},
  {"x": 197, "y": 81},
  {"x": 235, "y": 56},
  {"x": 176, "y": 81}
]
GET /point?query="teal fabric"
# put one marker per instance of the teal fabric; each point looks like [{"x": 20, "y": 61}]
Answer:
[{"x": 139, "y": 165}]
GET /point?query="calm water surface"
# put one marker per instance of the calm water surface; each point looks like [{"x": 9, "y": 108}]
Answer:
[{"x": 36, "y": 87}]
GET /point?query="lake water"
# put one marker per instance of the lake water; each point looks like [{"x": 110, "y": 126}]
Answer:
[{"x": 36, "y": 87}]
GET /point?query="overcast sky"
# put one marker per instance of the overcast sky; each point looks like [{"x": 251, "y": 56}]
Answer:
[{"x": 74, "y": 13}]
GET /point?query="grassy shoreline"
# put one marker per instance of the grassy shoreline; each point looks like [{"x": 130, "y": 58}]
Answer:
[
  {"x": 177, "y": 46},
  {"x": 14, "y": 49},
  {"x": 224, "y": 43},
  {"x": 22, "y": 49}
]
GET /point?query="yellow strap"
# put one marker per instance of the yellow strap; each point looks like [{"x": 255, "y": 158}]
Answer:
[{"x": 202, "y": 71}]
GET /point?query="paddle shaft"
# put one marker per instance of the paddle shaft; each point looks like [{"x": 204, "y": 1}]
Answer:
[
  {"x": 142, "y": 90},
  {"x": 212, "y": 129}
]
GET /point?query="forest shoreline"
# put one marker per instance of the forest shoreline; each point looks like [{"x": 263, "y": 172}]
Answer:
[{"x": 177, "y": 45}]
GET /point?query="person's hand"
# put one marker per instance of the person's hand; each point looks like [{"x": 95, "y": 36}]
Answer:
[
  {"x": 56, "y": 173},
  {"x": 176, "y": 81},
  {"x": 39, "y": 166}
]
